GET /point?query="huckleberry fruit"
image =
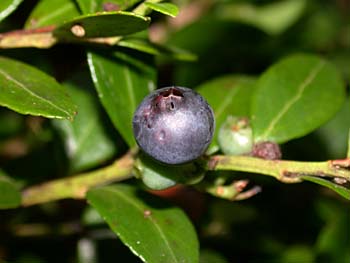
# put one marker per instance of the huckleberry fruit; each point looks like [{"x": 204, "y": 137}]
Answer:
[{"x": 174, "y": 125}]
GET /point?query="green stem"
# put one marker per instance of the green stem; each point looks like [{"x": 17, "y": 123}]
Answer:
[
  {"x": 285, "y": 171},
  {"x": 78, "y": 185}
]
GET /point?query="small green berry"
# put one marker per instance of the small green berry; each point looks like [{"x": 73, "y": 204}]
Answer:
[{"x": 235, "y": 136}]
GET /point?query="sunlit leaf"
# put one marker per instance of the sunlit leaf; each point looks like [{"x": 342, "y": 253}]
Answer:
[
  {"x": 227, "y": 95},
  {"x": 105, "y": 24},
  {"x": 294, "y": 97},
  {"x": 164, "y": 8},
  {"x": 28, "y": 90},
  {"x": 51, "y": 12},
  {"x": 122, "y": 80},
  {"x": 7, "y": 7}
]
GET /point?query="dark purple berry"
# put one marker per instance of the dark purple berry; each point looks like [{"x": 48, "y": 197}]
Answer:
[{"x": 174, "y": 125}]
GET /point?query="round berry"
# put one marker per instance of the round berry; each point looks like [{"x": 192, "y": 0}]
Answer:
[
  {"x": 235, "y": 136},
  {"x": 174, "y": 125}
]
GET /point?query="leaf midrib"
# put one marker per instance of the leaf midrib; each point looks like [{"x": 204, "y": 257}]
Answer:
[
  {"x": 138, "y": 207},
  {"x": 10, "y": 78},
  {"x": 300, "y": 90}
]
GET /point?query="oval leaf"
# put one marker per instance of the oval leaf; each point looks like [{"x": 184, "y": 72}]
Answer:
[
  {"x": 28, "y": 90},
  {"x": 51, "y": 12},
  {"x": 294, "y": 97},
  {"x": 7, "y": 7},
  {"x": 344, "y": 192},
  {"x": 86, "y": 140},
  {"x": 105, "y": 24},
  {"x": 10, "y": 197},
  {"x": 152, "y": 230},
  {"x": 164, "y": 8},
  {"x": 122, "y": 80},
  {"x": 227, "y": 95}
]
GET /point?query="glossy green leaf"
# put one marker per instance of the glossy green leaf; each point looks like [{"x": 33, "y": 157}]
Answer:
[
  {"x": 51, "y": 12},
  {"x": 164, "y": 8},
  {"x": 273, "y": 18},
  {"x": 343, "y": 191},
  {"x": 227, "y": 95},
  {"x": 86, "y": 140},
  {"x": 122, "y": 80},
  {"x": 294, "y": 97},
  {"x": 10, "y": 197},
  {"x": 28, "y": 90},
  {"x": 153, "y": 230},
  {"x": 146, "y": 46},
  {"x": 105, "y": 24},
  {"x": 7, "y": 7}
]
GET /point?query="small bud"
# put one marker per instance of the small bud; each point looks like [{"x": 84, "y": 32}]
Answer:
[
  {"x": 267, "y": 150},
  {"x": 235, "y": 136}
]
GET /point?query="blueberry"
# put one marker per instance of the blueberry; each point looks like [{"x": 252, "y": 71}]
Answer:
[{"x": 174, "y": 125}]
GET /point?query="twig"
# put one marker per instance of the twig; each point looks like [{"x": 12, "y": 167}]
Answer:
[
  {"x": 284, "y": 171},
  {"x": 77, "y": 186}
]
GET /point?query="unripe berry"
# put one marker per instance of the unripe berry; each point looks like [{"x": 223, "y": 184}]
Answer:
[{"x": 235, "y": 136}]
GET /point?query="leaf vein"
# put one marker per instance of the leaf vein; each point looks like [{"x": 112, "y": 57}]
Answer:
[
  {"x": 302, "y": 87},
  {"x": 151, "y": 219},
  {"x": 9, "y": 77}
]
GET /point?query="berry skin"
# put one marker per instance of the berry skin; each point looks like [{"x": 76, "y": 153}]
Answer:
[{"x": 174, "y": 125}]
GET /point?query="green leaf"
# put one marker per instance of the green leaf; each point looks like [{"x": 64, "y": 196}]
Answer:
[
  {"x": 153, "y": 230},
  {"x": 86, "y": 140},
  {"x": 51, "y": 12},
  {"x": 90, "y": 6},
  {"x": 227, "y": 95},
  {"x": 28, "y": 90},
  {"x": 273, "y": 18},
  {"x": 105, "y": 24},
  {"x": 93, "y": 6},
  {"x": 343, "y": 191},
  {"x": 7, "y": 7},
  {"x": 10, "y": 197},
  {"x": 146, "y": 46},
  {"x": 294, "y": 97},
  {"x": 164, "y": 8},
  {"x": 348, "y": 152},
  {"x": 122, "y": 80}
]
